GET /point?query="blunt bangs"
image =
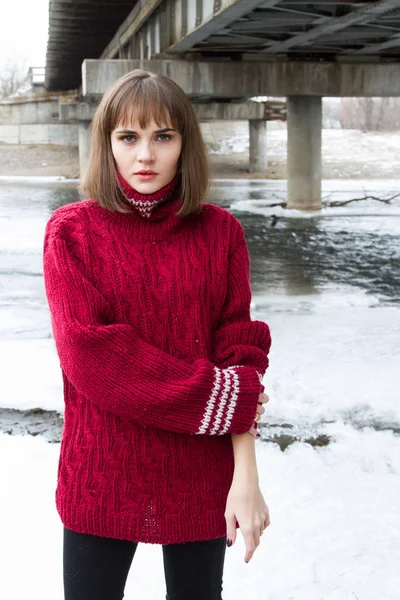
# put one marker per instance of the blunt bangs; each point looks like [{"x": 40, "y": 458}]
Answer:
[{"x": 142, "y": 103}]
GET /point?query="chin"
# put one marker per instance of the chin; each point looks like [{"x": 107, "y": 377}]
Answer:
[
  {"x": 145, "y": 187},
  {"x": 148, "y": 189}
]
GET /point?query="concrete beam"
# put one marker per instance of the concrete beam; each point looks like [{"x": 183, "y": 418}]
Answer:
[
  {"x": 222, "y": 111},
  {"x": 228, "y": 111},
  {"x": 242, "y": 111},
  {"x": 231, "y": 79},
  {"x": 77, "y": 111},
  {"x": 67, "y": 111}
]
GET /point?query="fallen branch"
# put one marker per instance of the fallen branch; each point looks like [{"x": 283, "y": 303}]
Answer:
[
  {"x": 344, "y": 202},
  {"x": 335, "y": 203}
]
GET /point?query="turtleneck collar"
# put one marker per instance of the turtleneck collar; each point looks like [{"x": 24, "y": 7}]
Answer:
[
  {"x": 151, "y": 206},
  {"x": 161, "y": 223}
]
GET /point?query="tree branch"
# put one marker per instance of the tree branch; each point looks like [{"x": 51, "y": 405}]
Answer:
[
  {"x": 344, "y": 202},
  {"x": 335, "y": 203}
]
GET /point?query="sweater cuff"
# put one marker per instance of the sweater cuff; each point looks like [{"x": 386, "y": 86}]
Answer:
[
  {"x": 246, "y": 406},
  {"x": 232, "y": 405}
]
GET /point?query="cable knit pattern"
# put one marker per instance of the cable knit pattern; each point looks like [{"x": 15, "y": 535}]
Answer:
[{"x": 160, "y": 363}]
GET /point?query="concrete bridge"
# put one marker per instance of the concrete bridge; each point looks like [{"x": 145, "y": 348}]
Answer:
[{"x": 224, "y": 52}]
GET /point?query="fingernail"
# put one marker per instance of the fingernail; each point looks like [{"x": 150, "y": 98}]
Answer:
[
  {"x": 246, "y": 561},
  {"x": 229, "y": 543}
]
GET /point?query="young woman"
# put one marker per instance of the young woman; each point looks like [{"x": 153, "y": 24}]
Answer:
[{"x": 149, "y": 296}]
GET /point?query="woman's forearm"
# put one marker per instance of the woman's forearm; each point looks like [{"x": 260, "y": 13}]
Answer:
[{"x": 245, "y": 456}]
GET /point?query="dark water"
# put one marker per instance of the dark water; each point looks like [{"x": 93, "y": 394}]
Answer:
[{"x": 307, "y": 255}]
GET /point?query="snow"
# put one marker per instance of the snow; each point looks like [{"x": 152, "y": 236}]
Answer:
[
  {"x": 336, "y": 361},
  {"x": 334, "y": 532},
  {"x": 37, "y": 179},
  {"x": 337, "y": 144},
  {"x": 41, "y": 369}
]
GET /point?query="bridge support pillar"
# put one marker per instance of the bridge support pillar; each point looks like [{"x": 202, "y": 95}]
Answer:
[
  {"x": 304, "y": 124},
  {"x": 84, "y": 144},
  {"x": 84, "y": 115},
  {"x": 258, "y": 159}
]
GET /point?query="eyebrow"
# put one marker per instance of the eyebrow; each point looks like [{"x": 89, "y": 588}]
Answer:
[{"x": 156, "y": 131}]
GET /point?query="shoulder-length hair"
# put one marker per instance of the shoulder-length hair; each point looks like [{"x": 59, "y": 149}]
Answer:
[{"x": 142, "y": 96}]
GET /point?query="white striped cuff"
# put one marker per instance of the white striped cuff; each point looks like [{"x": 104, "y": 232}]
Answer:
[{"x": 222, "y": 401}]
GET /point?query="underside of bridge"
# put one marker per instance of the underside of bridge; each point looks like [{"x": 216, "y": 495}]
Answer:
[
  {"x": 311, "y": 30},
  {"x": 331, "y": 30},
  {"x": 79, "y": 29}
]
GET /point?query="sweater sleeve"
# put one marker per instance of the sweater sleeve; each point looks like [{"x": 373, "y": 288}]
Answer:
[
  {"x": 109, "y": 364},
  {"x": 237, "y": 339}
]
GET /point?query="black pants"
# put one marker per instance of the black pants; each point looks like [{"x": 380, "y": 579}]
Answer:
[{"x": 96, "y": 568}]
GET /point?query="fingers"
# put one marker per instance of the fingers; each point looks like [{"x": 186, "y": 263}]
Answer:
[
  {"x": 250, "y": 543},
  {"x": 230, "y": 530},
  {"x": 263, "y": 398},
  {"x": 260, "y": 409},
  {"x": 252, "y": 537},
  {"x": 257, "y": 538}
]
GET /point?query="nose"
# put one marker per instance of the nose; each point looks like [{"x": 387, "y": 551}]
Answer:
[{"x": 145, "y": 152}]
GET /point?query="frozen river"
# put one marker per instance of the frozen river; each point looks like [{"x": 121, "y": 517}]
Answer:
[{"x": 328, "y": 284}]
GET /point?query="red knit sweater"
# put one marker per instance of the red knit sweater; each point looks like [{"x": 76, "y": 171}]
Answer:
[{"x": 151, "y": 321}]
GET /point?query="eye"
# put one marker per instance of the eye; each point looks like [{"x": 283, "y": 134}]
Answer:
[
  {"x": 164, "y": 135},
  {"x": 128, "y": 138}
]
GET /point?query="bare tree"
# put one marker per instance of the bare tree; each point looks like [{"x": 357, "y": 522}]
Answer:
[
  {"x": 12, "y": 76},
  {"x": 370, "y": 114}
]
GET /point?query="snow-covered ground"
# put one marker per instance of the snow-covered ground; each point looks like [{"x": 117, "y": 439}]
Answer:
[
  {"x": 334, "y": 532},
  {"x": 339, "y": 144},
  {"x": 345, "y": 153}
]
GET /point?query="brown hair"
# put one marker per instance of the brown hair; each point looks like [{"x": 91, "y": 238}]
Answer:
[{"x": 140, "y": 95}]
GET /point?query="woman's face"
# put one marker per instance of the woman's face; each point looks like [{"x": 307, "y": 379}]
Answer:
[{"x": 154, "y": 148}]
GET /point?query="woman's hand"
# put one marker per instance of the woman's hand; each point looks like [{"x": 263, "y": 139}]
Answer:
[{"x": 246, "y": 505}]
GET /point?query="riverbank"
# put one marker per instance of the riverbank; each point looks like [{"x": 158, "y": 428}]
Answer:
[{"x": 347, "y": 154}]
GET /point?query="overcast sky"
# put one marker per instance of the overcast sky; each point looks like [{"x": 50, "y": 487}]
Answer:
[{"x": 24, "y": 30}]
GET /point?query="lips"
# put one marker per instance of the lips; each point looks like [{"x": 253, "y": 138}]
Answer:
[{"x": 145, "y": 173}]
